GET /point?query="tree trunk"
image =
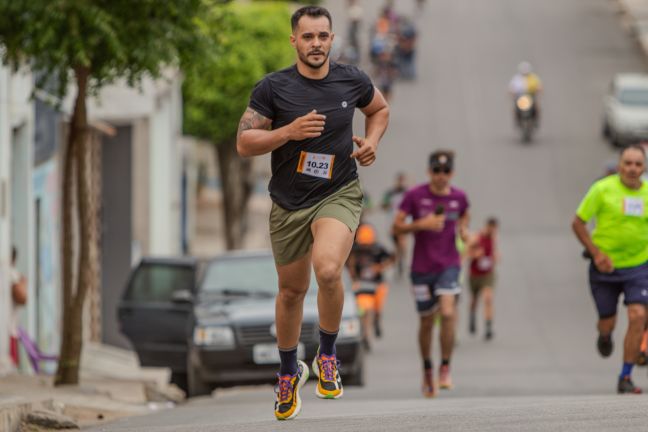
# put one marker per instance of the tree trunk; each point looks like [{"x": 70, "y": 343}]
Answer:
[
  {"x": 237, "y": 187},
  {"x": 76, "y": 166}
]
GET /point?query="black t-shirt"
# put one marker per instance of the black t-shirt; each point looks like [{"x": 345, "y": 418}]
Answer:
[
  {"x": 366, "y": 258},
  {"x": 285, "y": 95}
]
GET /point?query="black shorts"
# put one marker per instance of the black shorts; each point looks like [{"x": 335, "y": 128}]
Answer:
[
  {"x": 607, "y": 287},
  {"x": 427, "y": 287}
]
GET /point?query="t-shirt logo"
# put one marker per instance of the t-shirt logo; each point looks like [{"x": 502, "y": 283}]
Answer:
[
  {"x": 633, "y": 207},
  {"x": 344, "y": 104}
]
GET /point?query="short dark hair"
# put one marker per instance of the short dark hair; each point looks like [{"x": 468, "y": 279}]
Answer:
[
  {"x": 311, "y": 11},
  {"x": 639, "y": 147},
  {"x": 492, "y": 221}
]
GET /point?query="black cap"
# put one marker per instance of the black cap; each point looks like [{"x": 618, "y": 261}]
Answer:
[{"x": 441, "y": 159}]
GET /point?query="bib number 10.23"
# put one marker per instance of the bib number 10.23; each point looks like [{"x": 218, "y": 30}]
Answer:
[{"x": 316, "y": 164}]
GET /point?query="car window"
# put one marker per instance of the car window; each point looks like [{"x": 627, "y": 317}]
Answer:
[
  {"x": 248, "y": 274},
  {"x": 158, "y": 282},
  {"x": 634, "y": 97}
]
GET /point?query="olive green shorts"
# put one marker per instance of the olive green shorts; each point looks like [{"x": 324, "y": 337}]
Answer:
[
  {"x": 290, "y": 230},
  {"x": 477, "y": 283}
]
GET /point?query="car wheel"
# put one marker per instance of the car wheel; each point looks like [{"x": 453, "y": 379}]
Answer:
[
  {"x": 605, "y": 130},
  {"x": 180, "y": 380},
  {"x": 356, "y": 378},
  {"x": 614, "y": 140},
  {"x": 196, "y": 386}
]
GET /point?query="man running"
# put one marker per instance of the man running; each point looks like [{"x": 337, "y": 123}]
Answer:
[
  {"x": 482, "y": 251},
  {"x": 619, "y": 250},
  {"x": 439, "y": 212},
  {"x": 303, "y": 115}
]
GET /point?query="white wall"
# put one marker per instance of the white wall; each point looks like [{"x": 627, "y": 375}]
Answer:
[
  {"x": 5, "y": 211},
  {"x": 22, "y": 117},
  {"x": 165, "y": 174},
  {"x": 156, "y": 106}
]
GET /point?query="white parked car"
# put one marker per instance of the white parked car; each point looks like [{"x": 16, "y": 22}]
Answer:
[{"x": 626, "y": 109}]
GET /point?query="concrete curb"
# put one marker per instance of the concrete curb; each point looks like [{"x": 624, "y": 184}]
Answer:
[{"x": 14, "y": 410}]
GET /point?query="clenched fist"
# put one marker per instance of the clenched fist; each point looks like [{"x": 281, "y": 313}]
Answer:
[{"x": 310, "y": 125}]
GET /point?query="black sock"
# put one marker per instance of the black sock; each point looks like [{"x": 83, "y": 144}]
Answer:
[
  {"x": 445, "y": 362},
  {"x": 327, "y": 342},
  {"x": 427, "y": 364},
  {"x": 288, "y": 361},
  {"x": 489, "y": 326}
]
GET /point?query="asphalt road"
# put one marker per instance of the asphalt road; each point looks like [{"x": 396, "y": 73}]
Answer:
[{"x": 541, "y": 373}]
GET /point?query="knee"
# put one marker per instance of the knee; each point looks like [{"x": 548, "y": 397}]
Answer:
[
  {"x": 328, "y": 274},
  {"x": 447, "y": 316},
  {"x": 637, "y": 316},
  {"x": 291, "y": 294}
]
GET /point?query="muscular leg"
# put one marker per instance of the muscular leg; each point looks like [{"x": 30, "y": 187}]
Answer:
[
  {"x": 294, "y": 279},
  {"x": 447, "y": 309},
  {"x": 331, "y": 247},
  {"x": 636, "y": 322}
]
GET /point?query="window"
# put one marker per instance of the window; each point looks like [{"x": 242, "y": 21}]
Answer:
[{"x": 158, "y": 282}]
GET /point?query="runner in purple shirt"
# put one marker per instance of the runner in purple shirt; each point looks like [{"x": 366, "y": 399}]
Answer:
[{"x": 439, "y": 212}]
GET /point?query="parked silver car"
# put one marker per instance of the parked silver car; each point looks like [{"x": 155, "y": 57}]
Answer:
[{"x": 626, "y": 109}]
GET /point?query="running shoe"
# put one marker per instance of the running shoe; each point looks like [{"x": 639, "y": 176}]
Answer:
[
  {"x": 626, "y": 386},
  {"x": 605, "y": 345},
  {"x": 489, "y": 335},
  {"x": 472, "y": 326},
  {"x": 445, "y": 382},
  {"x": 429, "y": 391},
  {"x": 330, "y": 383},
  {"x": 377, "y": 328},
  {"x": 287, "y": 400}
]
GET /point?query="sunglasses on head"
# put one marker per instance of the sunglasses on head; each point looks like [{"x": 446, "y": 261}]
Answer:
[{"x": 439, "y": 170}]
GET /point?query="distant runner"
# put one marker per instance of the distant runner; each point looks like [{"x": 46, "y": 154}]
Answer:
[
  {"x": 482, "y": 251},
  {"x": 439, "y": 213}
]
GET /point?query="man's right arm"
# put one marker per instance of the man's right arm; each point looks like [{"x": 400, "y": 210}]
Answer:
[
  {"x": 602, "y": 262},
  {"x": 255, "y": 138}
]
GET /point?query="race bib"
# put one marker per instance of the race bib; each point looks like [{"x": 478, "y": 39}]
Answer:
[
  {"x": 484, "y": 263},
  {"x": 316, "y": 164},
  {"x": 421, "y": 292},
  {"x": 633, "y": 206}
]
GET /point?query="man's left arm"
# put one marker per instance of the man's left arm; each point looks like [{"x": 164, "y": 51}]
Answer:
[{"x": 376, "y": 121}]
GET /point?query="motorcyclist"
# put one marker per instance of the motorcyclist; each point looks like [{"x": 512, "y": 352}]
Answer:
[{"x": 526, "y": 82}]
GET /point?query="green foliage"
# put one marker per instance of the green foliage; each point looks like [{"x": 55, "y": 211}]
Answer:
[
  {"x": 302, "y": 2},
  {"x": 249, "y": 40},
  {"x": 113, "y": 38}
]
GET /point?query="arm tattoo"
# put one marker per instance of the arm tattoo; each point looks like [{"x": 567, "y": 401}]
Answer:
[{"x": 253, "y": 120}]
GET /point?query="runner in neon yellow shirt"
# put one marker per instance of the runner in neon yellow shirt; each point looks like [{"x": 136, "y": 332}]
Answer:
[{"x": 619, "y": 250}]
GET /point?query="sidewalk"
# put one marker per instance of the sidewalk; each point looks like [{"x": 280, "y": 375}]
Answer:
[
  {"x": 112, "y": 386},
  {"x": 636, "y": 20}
]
